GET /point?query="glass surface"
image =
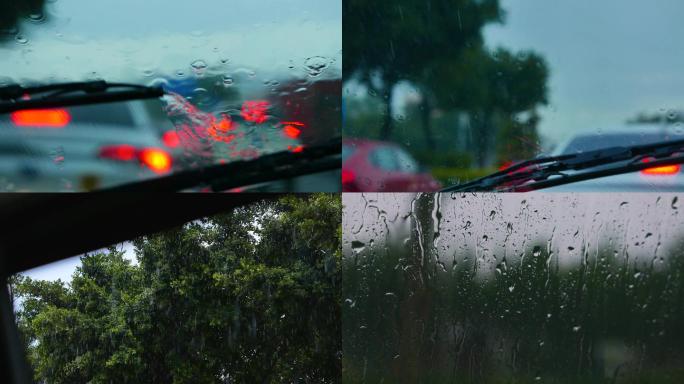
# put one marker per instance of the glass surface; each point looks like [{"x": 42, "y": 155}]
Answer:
[
  {"x": 469, "y": 86},
  {"x": 245, "y": 78},
  {"x": 494, "y": 288}
]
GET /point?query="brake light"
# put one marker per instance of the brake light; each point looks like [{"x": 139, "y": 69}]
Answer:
[
  {"x": 663, "y": 170},
  {"x": 171, "y": 139},
  {"x": 255, "y": 111},
  {"x": 156, "y": 159},
  {"x": 297, "y": 149},
  {"x": 123, "y": 152},
  {"x": 505, "y": 165},
  {"x": 51, "y": 118},
  {"x": 291, "y": 131},
  {"x": 348, "y": 177},
  {"x": 218, "y": 129}
]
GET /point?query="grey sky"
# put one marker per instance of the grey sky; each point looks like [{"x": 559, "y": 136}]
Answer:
[
  {"x": 609, "y": 59},
  {"x": 63, "y": 269},
  {"x": 120, "y": 39}
]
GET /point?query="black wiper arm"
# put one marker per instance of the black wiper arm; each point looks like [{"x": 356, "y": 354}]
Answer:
[
  {"x": 221, "y": 177},
  {"x": 16, "y": 98},
  {"x": 539, "y": 170},
  {"x": 603, "y": 172}
]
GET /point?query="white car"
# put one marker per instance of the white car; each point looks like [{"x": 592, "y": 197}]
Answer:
[
  {"x": 661, "y": 179},
  {"x": 79, "y": 148}
]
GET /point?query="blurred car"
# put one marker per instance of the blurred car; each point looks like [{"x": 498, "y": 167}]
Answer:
[
  {"x": 665, "y": 178},
  {"x": 369, "y": 165},
  {"x": 79, "y": 148},
  {"x": 242, "y": 132}
]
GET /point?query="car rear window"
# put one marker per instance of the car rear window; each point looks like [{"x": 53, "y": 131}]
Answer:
[
  {"x": 593, "y": 142},
  {"x": 347, "y": 151},
  {"x": 383, "y": 158},
  {"x": 406, "y": 162},
  {"x": 115, "y": 114}
]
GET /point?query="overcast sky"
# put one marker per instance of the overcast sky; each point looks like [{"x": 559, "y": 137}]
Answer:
[
  {"x": 609, "y": 59},
  {"x": 489, "y": 224},
  {"x": 63, "y": 269}
]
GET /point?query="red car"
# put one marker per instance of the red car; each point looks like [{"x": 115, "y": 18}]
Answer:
[{"x": 375, "y": 166}]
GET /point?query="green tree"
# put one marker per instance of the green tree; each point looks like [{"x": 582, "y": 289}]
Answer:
[
  {"x": 493, "y": 88},
  {"x": 12, "y": 11},
  {"x": 395, "y": 41},
  {"x": 247, "y": 296}
]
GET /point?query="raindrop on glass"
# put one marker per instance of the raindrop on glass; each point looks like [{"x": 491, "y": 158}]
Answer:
[
  {"x": 315, "y": 65},
  {"x": 536, "y": 251},
  {"x": 36, "y": 18},
  {"x": 21, "y": 39},
  {"x": 198, "y": 67},
  {"x": 57, "y": 155},
  {"x": 357, "y": 246}
]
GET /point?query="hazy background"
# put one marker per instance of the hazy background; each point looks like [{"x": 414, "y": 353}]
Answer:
[
  {"x": 493, "y": 226},
  {"x": 475, "y": 85},
  {"x": 608, "y": 59},
  {"x": 128, "y": 39}
]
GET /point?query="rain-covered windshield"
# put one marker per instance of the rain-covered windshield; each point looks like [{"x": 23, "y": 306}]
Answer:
[
  {"x": 469, "y": 86},
  {"x": 245, "y": 78},
  {"x": 582, "y": 143},
  {"x": 512, "y": 288}
]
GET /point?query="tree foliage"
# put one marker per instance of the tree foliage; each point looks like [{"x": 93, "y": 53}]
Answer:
[
  {"x": 610, "y": 318},
  {"x": 12, "y": 11},
  {"x": 438, "y": 47},
  {"x": 251, "y": 295},
  {"x": 397, "y": 40},
  {"x": 493, "y": 88}
]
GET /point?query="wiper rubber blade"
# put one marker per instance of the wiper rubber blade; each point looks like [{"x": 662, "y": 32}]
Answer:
[
  {"x": 15, "y": 97},
  {"x": 589, "y": 175},
  {"x": 516, "y": 177},
  {"x": 221, "y": 177}
]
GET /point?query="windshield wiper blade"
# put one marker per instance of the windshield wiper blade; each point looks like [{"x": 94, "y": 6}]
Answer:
[
  {"x": 15, "y": 97},
  {"x": 534, "y": 174},
  {"x": 604, "y": 172},
  {"x": 221, "y": 177}
]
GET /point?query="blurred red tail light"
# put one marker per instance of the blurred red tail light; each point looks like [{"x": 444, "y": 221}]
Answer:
[
  {"x": 50, "y": 118},
  {"x": 662, "y": 170},
  {"x": 123, "y": 152},
  {"x": 255, "y": 110},
  {"x": 171, "y": 139},
  {"x": 348, "y": 176},
  {"x": 349, "y": 181},
  {"x": 291, "y": 131},
  {"x": 156, "y": 159},
  {"x": 505, "y": 165}
]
